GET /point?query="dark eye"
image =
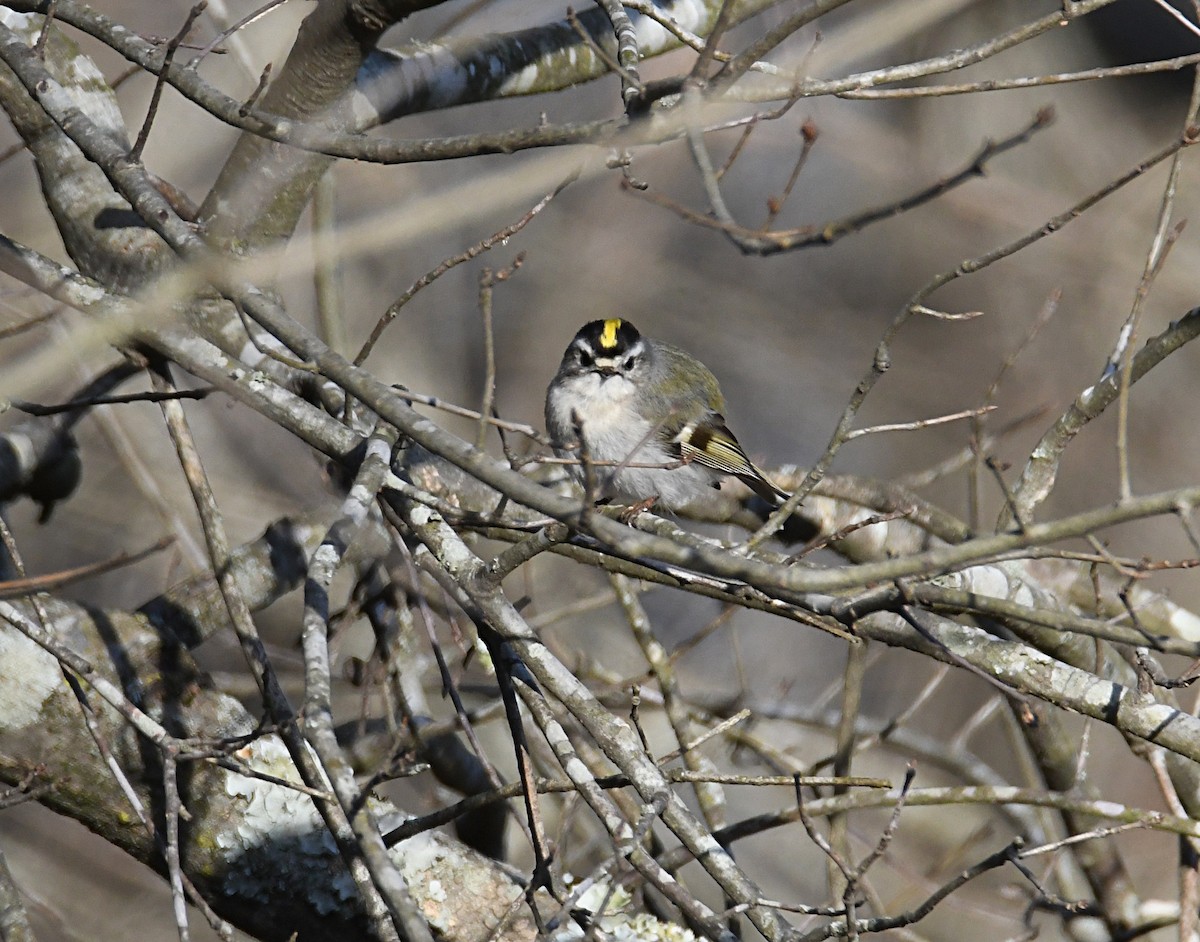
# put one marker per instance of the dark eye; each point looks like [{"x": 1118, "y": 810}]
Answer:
[
  {"x": 584, "y": 358},
  {"x": 628, "y": 364}
]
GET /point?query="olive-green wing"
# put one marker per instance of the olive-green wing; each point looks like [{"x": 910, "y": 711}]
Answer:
[{"x": 712, "y": 444}]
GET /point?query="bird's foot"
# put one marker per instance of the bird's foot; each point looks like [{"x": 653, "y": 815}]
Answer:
[{"x": 633, "y": 510}]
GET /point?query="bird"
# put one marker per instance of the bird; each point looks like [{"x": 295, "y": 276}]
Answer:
[{"x": 651, "y": 419}]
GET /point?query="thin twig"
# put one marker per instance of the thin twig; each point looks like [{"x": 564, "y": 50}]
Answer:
[
  {"x": 520, "y": 428},
  {"x": 742, "y": 141},
  {"x": 628, "y": 79},
  {"x": 1155, "y": 263},
  {"x": 809, "y": 134},
  {"x": 1179, "y": 17},
  {"x": 435, "y": 273},
  {"x": 841, "y": 874},
  {"x": 756, "y": 242},
  {"x": 39, "y": 47},
  {"x": 487, "y": 281},
  {"x": 17, "y": 329},
  {"x": 1031, "y": 81},
  {"x": 820, "y": 541},
  {"x": 34, "y": 408},
  {"x": 160, "y": 81},
  {"x": 977, "y": 442},
  {"x": 16, "y": 588},
  {"x": 331, "y": 314},
  {"x": 627, "y": 52},
  {"x": 173, "y": 810},
  {"x": 927, "y": 311},
  {"x": 245, "y": 21},
  {"x": 247, "y": 106},
  {"x": 920, "y": 424},
  {"x": 725, "y": 17},
  {"x": 914, "y": 616}
]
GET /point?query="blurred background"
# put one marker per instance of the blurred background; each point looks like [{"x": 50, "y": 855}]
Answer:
[{"x": 788, "y": 336}]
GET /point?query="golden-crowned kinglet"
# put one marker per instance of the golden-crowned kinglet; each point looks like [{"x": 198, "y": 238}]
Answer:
[{"x": 650, "y": 416}]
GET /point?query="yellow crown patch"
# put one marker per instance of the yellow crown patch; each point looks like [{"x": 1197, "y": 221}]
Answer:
[{"x": 608, "y": 337}]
